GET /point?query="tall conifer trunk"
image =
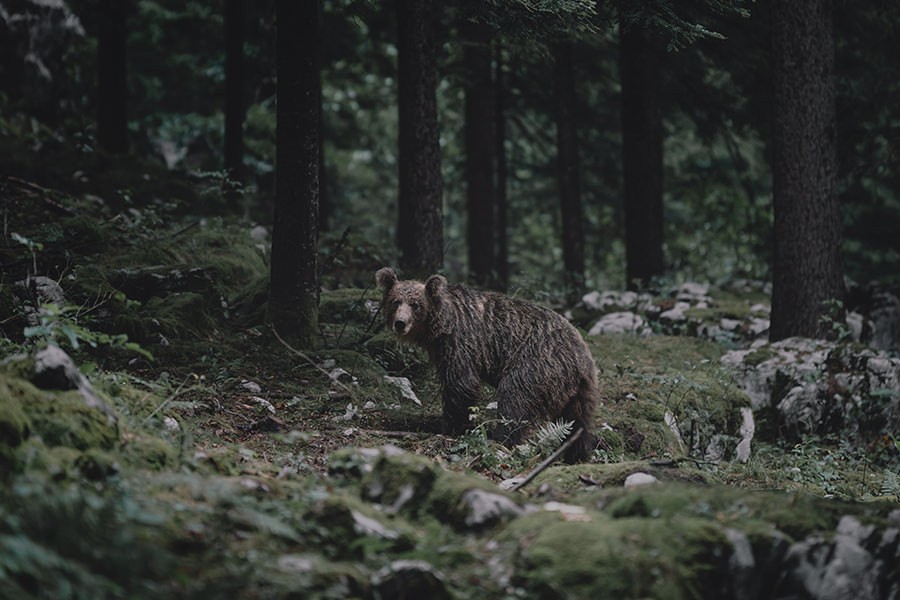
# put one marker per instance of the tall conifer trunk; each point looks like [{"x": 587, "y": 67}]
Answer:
[
  {"x": 642, "y": 139},
  {"x": 294, "y": 287},
  {"x": 234, "y": 95},
  {"x": 481, "y": 195},
  {"x": 112, "y": 82},
  {"x": 808, "y": 268},
  {"x": 420, "y": 210},
  {"x": 568, "y": 172}
]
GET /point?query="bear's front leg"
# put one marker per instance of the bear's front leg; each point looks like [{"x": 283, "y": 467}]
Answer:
[{"x": 461, "y": 388}]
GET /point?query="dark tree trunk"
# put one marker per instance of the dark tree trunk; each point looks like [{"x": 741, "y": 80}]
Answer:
[
  {"x": 324, "y": 196},
  {"x": 234, "y": 96},
  {"x": 420, "y": 211},
  {"x": 294, "y": 289},
  {"x": 642, "y": 164},
  {"x": 500, "y": 157},
  {"x": 808, "y": 269},
  {"x": 112, "y": 83},
  {"x": 567, "y": 172},
  {"x": 480, "y": 147}
]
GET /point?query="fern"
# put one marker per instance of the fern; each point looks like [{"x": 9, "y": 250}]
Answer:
[
  {"x": 548, "y": 438},
  {"x": 890, "y": 485}
]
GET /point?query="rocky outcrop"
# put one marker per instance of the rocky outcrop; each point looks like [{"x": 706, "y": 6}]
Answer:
[
  {"x": 815, "y": 386},
  {"x": 873, "y": 313}
]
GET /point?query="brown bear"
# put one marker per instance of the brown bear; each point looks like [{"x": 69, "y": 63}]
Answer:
[{"x": 536, "y": 360}]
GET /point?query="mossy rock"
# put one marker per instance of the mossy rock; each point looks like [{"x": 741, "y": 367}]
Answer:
[
  {"x": 452, "y": 497},
  {"x": 644, "y": 379},
  {"x": 400, "y": 481},
  {"x": 307, "y": 575},
  {"x": 59, "y": 462},
  {"x": 148, "y": 452},
  {"x": 61, "y": 418},
  {"x": 591, "y": 555},
  {"x": 568, "y": 478},
  {"x": 784, "y": 514},
  {"x": 351, "y": 464},
  {"x": 97, "y": 465},
  {"x": 350, "y": 529},
  {"x": 15, "y": 428}
]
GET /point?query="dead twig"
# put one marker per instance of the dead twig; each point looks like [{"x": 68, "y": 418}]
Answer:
[
  {"x": 311, "y": 362},
  {"x": 549, "y": 460}
]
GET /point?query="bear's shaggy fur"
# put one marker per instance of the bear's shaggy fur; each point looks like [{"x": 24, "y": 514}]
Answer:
[{"x": 536, "y": 360}]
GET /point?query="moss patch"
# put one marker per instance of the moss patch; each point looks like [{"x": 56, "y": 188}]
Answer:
[
  {"x": 642, "y": 379},
  {"x": 62, "y": 418},
  {"x": 14, "y": 427},
  {"x": 598, "y": 557}
]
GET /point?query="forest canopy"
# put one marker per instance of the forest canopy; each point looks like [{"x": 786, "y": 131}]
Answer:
[{"x": 715, "y": 106}]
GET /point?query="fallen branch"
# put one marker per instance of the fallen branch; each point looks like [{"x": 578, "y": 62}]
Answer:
[
  {"x": 549, "y": 460},
  {"x": 40, "y": 191}
]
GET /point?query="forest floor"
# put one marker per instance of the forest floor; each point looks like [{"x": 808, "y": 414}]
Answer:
[{"x": 238, "y": 466}]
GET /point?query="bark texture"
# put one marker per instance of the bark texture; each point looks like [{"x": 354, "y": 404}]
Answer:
[
  {"x": 112, "y": 76},
  {"x": 568, "y": 177},
  {"x": 481, "y": 192},
  {"x": 420, "y": 211},
  {"x": 234, "y": 94},
  {"x": 642, "y": 139},
  {"x": 808, "y": 268},
  {"x": 294, "y": 289}
]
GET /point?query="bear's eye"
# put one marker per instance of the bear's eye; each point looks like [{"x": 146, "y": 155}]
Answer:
[{"x": 415, "y": 305}]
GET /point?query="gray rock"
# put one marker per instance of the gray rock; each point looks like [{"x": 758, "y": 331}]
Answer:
[
  {"x": 484, "y": 509},
  {"x": 693, "y": 293},
  {"x": 610, "y": 300},
  {"x": 55, "y": 370},
  {"x": 44, "y": 289},
  {"x": 399, "y": 480},
  {"x": 676, "y": 313},
  {"x": 840, "y": 569},
  {"x": 638, "y": 479},
  {"x": 619, "y": 322},
  {"x": 817, "y": 386},
  {"x": 748, "y": 428}
]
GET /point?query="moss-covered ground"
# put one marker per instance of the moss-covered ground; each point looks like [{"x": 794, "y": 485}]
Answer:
[{"x": 242, "y": 467}]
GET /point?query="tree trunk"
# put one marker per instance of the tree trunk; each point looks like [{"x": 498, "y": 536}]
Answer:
[
  {"x": 420, "y": 211},
  {"x": 234, "y": 97},
  {"x": 324, "y": 197},
  {"x": 500, "y": 157},
  {"x": 808, "y": 269},
  {"x": 480, "y": 147},
  {"x": 642, "y": 166},
  {"x": 112, "y": 80},
  {"x": 567, "y": 172},
  {"x": 294, "y": 289}
]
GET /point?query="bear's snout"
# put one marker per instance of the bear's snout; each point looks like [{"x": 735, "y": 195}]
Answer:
[{"x": 399, "y": 325}]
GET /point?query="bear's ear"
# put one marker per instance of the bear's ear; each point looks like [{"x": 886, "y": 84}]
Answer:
[
  {"x": 435, "y": 285},
  {"x": 385, "y": 278}
]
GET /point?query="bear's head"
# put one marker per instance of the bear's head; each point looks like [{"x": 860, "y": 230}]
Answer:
[{"x": 409, "y": 305}]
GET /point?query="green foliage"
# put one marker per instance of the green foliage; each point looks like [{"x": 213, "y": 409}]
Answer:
[
  {"x": 833, "y": 322},
  {"x": 59, "y": 325},
  {"x": 890, "y": 484},
  {"x": 546, "y": 439},
  {"x": 69, "y": 541}
]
